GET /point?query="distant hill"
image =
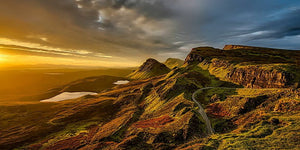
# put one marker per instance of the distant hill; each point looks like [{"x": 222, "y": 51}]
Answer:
[
  {"x": 91, "y": 84},
  {"x": 148, "y": 69},
  {"x": 173, "y": 62}
]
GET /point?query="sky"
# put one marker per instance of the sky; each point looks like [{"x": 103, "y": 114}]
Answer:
[{"x": 123, "y": 33}]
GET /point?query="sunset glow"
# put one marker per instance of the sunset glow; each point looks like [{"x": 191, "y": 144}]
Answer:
[
  {"x": 149, "y": 74},
  {"x": 111, "y": 33},
  {"x": 16, "y": 60},
  {"x": 2, "y": 57}
]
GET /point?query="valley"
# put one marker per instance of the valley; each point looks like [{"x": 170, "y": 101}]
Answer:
[{"x": 21, "y": 85}]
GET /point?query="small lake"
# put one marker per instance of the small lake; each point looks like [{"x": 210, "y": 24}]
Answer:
[
  {"x": 67, "y": 95},
  {"x": 121, "y": 82}
]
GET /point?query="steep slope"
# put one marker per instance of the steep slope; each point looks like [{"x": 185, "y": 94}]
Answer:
[
  {"x": 173, "y": 62},
  {"x": 249, "y": 66},
  {"x": 150, "y": 68}
]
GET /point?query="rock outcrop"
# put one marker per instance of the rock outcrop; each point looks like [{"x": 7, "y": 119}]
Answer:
[
  {"x": 233, "y": 47},
  {"x": 256, "y": 77}
]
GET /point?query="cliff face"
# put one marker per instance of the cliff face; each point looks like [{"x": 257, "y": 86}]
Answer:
[
  {"x": 233, "y": 47},
  {"x": 256, "y": 77},
  {"x": 233, "y": 66}
]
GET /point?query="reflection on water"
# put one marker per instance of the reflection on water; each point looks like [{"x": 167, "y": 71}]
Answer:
[
  {"x": 67, "y": 95},
  {"x": 54, "y": 73},
  {"x": 121, "y": 82}
]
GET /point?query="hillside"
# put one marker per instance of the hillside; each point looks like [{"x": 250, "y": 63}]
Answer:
[
  {"x": 148, "y": 69},
  {"x": 173, "y": 62},
  {"x": 163, "y": 110}
]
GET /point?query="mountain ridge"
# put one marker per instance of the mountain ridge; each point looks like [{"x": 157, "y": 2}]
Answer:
[
  {"x": 160, "y": 111},
  {"x": 258, "y": 67}
]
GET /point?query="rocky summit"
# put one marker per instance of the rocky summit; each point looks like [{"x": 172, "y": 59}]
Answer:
[{"x": 250, "y": 96}]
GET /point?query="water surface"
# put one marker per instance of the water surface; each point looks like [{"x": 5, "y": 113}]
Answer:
[
  {"x": 121, "y": 82},
  {"x": 67, "y": 95}
]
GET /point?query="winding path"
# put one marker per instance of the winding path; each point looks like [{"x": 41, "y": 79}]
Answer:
[{"x": 210, "y": 130}]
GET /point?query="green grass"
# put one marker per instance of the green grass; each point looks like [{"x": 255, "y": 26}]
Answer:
[
  {"x": 257, "y": 133},
  {"x": 173, "y": 62},
  {"x": 263, "y": 135}
]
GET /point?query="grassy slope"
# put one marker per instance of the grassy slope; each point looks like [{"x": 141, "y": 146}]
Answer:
[
  {"x": 173, "y": 62},
  {"x": 255, "y": 129},
  {"x": 55, "y": 121},
  {"x": 156, "y": 71}
]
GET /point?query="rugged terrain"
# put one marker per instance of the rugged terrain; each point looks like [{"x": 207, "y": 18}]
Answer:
[{"x": 253, "y": 103}]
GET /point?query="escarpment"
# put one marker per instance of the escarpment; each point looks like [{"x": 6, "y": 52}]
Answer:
[
  {"x": 256, "y": 77},
  {"x": 252, "y": 67}
]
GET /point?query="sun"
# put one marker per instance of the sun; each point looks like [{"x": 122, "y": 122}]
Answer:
[{"x": 2, "y": 57}]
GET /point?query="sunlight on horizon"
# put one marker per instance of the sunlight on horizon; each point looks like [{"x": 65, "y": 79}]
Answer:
[
  {"x": 19, "y": 60},
  {"x": 3, "y": 57},
  {"x": 12, "y": 54}
]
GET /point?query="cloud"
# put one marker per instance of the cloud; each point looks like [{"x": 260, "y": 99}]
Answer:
[
  {"x": 147, "y": 28},
  {"x": 288, "y": 24}
]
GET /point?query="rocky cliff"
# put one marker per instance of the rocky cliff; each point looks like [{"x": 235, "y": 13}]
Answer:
[
  {"x": 233, "y": 47},
  {"x": 249, "y": 66}
]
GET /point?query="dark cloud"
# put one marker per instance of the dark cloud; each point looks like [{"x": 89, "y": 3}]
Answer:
[
  {"x": 288, "y": 24},
  {"x": 149, "y": 28}
]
